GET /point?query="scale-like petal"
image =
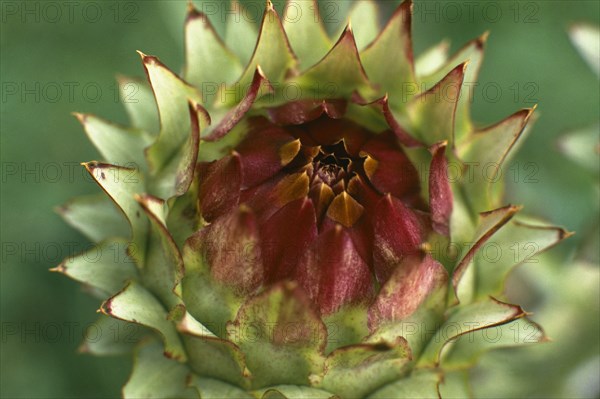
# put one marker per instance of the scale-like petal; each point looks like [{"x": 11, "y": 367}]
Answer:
[
  {"x": 389, "y": 169},
  {"x": 264, "y": 152},
  {"x": 440, "y": 192},
  {"x": 416, "y": 279},
  {"x": 333, "y": 272},
  {"x": 285, "y": 237},
  {"x": 220, "y": 183},
  {"x": 398, "y": 231},
  {"x": 231, "y": 246}
]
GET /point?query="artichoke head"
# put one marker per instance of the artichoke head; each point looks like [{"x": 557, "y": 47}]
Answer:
[{"x": 304, "y": 217}]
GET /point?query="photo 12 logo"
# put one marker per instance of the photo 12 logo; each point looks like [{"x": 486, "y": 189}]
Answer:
[
  {"x": 71, "y": 12},
  {"x": 490, "y": 12}
]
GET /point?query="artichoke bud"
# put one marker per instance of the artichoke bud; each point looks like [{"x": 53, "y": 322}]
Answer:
[{"x": 286, "y": 231}]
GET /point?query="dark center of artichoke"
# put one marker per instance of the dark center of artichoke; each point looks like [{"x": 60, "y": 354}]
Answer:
[{"x": 332, "y": 164}]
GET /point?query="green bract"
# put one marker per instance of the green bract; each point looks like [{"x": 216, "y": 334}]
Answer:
[{"x": 306, "y": 220}]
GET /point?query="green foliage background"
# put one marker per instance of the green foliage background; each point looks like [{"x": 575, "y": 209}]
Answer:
[{"x": 43, "y": 314}]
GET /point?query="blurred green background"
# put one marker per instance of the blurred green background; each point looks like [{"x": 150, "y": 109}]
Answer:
[{"x": 59, "y": 57}]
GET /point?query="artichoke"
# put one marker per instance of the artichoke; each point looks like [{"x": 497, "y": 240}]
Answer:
[{"x": 308, "y": 219}]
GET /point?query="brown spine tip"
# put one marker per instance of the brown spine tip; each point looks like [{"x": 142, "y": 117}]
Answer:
[
  {"x": 193, "y": 14},
  {"x": 348, "y": 28},
  {"x": 564, "y": 234},
  {"x": 80, "y": 117},
  {"x": 88, "y": 165},
  {"x": 530, "y": 112},
  {"x": 148, "y": 59},
  {"x": 519, "y": 312},
  {"x": 106, "y": 307},
  {"x": 464, "y": 67},
  {"x": 59, "y": 269},
  {"x": 202, "y": 111},
  {"x": 437, "y": 146},
  {"x": 191, "y": 9},
  {"x": 260, "y": 72},
  {"x": 482, "y": 40}
]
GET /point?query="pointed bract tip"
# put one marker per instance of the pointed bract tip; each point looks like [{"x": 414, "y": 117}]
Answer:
[
  {"x": 520, "y": 313},
  {"x": 58, "y": 269},
  {"x": 346, "y": 35},
  {"x": 191, "y": 8},
  {"x": 269, "y": 6},
  {"x": 515, "y": 208},
  {"x": 199, "y": 109},
  {"x": 405, "y": 5},
  {"x": 80, "y": 117},
  {"x": 90, "y": 165},
  {"x": 193, "y": 103},
  {"x": 147, "y": 59},
  {"x": 482, "y": 40},
  {"x": 193, "y": 13},
  {"x": 410, "y": 6},
  {"x": 260, "y": 71},
  {"x": 246, "y": 373},
  {"x": 440, "y": 145},
  {"x": 564, "y": 234},
  {"x": 530, "y": 111}
]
